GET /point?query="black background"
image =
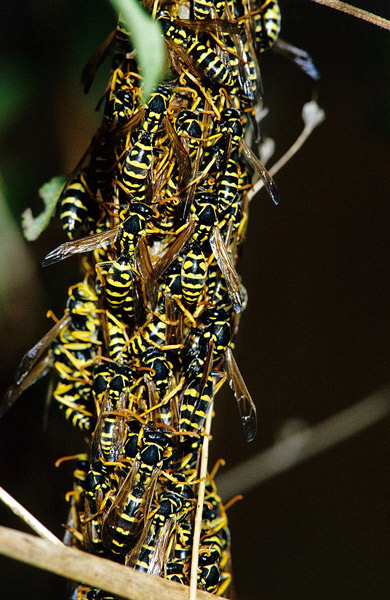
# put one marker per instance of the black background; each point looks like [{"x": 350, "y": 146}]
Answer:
[{"x": 314, "y": 338}]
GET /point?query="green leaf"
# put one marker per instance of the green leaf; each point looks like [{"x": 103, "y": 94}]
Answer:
[
  {"x": 146, "y": 37},
  {"x": 50, "y": 193}
]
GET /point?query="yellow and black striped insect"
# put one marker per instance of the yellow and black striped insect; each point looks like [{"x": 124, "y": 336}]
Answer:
[
  {"x": 177, "y": 567},
  {"x": 133, "y": 220},
  {"x": 202, "y": 8},
  {"x": 122, "y": 96},
  {"x": 154, "y": 331},
  {"x": 231, "y": 139},
  {"x": 228, "y": 182},
  {"x": 204, "y": 57},
  {"x": 174, "y": 504},
  {"x": 74, "y": 396},
  {"x": 118, "y": 281},
  {"x": 138, "y": 161},
  {"x": 71, "y": 345},
  {"x": 210, "y": 555},
  {"x": 124, "y": 519},
  {"x": 204, "y": 212},
  {"x": 193, "y": 275},
  {"x": 78, "y": 205},
  {"x": 113, "y": 384},
  {"x": 160, "y": 379},
  {"x": 188, "y": 126},
  {"x": 267, "y": 20}
]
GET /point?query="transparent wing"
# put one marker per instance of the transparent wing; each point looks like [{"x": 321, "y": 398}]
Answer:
[
  {"x": 229, "y": 272},
  {"x": 86, "y": 244},
  {"x": 32, "y": 356},
  {"x": 245, "y": 403},
  {"x": 97, "y": 59},
  {"x": 147, "y": 273},
  {"x": 174, "y": 249},
  {"x": 17, "y": 389},
  {"x": 269, "y": 183},
  {"x": 299, "y": 57}
]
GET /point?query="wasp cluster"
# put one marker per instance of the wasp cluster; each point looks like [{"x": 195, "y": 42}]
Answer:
[{"x": 160, "y": 209}]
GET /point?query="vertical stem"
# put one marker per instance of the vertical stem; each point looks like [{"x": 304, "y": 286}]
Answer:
[{"x": 199, "y": 506}]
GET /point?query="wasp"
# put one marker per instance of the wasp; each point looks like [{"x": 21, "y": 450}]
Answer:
[
  {"x": 232, "y": 280},
  {"x": 212, "y": 346},
  {"x": 139, "y": 158},
  {"x": 123, "y": 521},
  {"x": 231, "y": 139},
  {"x": 209, "y": 570},
  {"x": 204, "y": 57},
  {"x": 160, "y": 379},
  {"x": 228, "y": 186},
  {"x": 109, "y": 435},
  {"x": 193, "y": 275},
  {"x": 77, "y": 204},
  {"x": 216, "y": 330},
  {"x": 174, "y": 504},
  {"x": 74, "y": 398},
  {"x": 178, "y": 565},
  {"x": 267, "y": 21},
  {"x": 132, "y": 224},
  {"x": 122, "y": 96},
  {"x": 189, "y": 127},
  {"x": 72, "y": 341},
  {"x": 118, "y": 277},
  {"x": 199, "y": 394}
]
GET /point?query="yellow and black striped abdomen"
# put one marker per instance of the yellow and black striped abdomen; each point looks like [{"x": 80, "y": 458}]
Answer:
[
  {"x": 228, "y": 185},
  {"x": 74, "y": 206},
  {"x": 136, "y": 167},
  {"x": 210, "y": 63},
  {"x": 202, "y": 8},
  {"x": 119, "y": 282},
  {"x": 196, "y": 404},
  {"x": 267, "y": 25},
  {"x": 193, "y": 275},
  {"x": 117, "y": 339}
]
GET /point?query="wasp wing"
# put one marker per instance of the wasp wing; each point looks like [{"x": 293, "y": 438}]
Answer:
[
  {"x": 245, "y": 403},
  {"x": 86, "y": 244},
  {"x": 174, "y": 249},
  {"x": 229, "y": 272},
  {"x": 269, "y": 183},
  {"x": 95, "y": 62},
  {"x": 17, "y": 389},
  {"x": 31, "y": 357},
  {"x": 147, "y": 273},
  {"x": 299, "y": 57}
]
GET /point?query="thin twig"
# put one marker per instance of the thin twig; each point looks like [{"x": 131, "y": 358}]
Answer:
[
  {"x": 312, "y": 116},
  {"x": 199, "y": 506},
  {"x": 90, "y": 570},
  {"x": 303, "y": 445},
  {"x": 359, "y": 13},
  {"x": 27, "y": 517}
]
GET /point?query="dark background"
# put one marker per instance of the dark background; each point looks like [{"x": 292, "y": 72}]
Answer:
[{"x": 314, "y": 338}]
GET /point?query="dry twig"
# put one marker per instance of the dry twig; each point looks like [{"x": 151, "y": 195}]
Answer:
[
  {"x": 90, "y": 570},
  {"x": 305, "y": 444},
  {"x": 312, "y": 116},
  {"x": 359, "y": 13},
  {"x": 27, "y": 517},
  {"x": 199, "y": 506}
]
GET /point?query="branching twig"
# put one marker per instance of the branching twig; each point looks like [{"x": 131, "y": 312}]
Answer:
[
  {"x": 27, "y": 517},
  {"x": 90, "y": 570},
  {"x": 312, "y": 116},
  {"x": 305, "y": 444}
]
